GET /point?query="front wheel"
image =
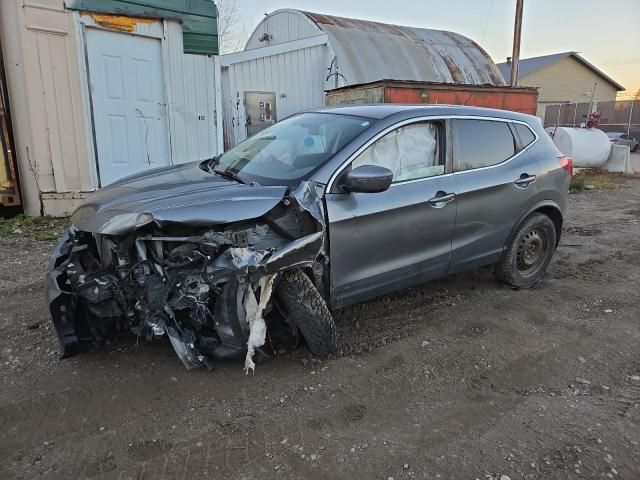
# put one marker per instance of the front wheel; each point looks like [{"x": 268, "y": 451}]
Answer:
[
  {"x": 528, "y": 253},
  {"x": 302, "y": 305},
  {"x": 635, "y": 149}
]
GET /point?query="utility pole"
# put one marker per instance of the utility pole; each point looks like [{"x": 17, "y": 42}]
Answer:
[
  {"x": 593, "y": 97},
  {"x": 517, "y": 35}
]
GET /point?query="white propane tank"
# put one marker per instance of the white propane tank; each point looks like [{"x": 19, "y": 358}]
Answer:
[{"x": 588, "y": 147}]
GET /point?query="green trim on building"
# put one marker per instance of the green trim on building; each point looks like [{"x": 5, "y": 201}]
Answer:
[{"x": 199, "y": 18}]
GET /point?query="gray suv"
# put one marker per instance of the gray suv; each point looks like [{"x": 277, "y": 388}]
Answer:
[{"x": 246, "y": 254}]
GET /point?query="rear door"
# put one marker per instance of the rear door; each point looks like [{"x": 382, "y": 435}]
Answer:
[
  {"x": 380, "y": 242},
  {"x": 496, "y": 181}
]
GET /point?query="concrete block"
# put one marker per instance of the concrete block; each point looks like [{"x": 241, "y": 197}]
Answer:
[{"x": 619, "y": 160}]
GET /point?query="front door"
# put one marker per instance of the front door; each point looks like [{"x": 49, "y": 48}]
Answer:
[
  {"x": 128, "y": 99},
  {"x": 380, "y": 242}
]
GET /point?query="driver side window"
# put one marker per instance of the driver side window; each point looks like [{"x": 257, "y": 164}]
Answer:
[{"x": 410, "y": 152}]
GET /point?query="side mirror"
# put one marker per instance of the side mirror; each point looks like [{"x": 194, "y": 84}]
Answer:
[{"x": 367, "y": 179}]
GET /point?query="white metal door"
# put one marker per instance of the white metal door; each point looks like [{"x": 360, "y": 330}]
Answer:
[{"x": 129, "y": 107}]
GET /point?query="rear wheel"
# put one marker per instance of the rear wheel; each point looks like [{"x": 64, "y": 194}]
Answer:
[
  {"x": 528, "y": 253},
  {"x": 299, "y": 301}
]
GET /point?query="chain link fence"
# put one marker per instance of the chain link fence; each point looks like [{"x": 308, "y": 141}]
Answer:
[{"x": 617, "y": 116}]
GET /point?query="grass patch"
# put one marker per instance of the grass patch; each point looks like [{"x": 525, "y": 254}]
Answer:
[
  {"x": 602, "y": 181},
  {"x": 599, "y": 179},
  {"x": 577, "y": 183},
  {"x": 38, "y": 228}
]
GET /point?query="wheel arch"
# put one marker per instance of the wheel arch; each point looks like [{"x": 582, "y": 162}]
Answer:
[
  {"x": 549, "y": 208},
  {"x": 556, "y": 217}
]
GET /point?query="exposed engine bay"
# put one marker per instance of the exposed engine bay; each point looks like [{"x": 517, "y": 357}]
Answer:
[{"x": 212, "y": 290}]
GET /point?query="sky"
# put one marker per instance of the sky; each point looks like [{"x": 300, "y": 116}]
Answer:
[{"x": 606, "y": 33}]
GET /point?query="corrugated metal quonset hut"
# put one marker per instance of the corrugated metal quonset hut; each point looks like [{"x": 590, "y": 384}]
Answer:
[
  {"x": 101, "y": 89},
  {"x": 293, "y": 57}
]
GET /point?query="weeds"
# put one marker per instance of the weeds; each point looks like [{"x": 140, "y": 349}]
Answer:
[
  {"x": 577, "y": 183},
  {"x": 599, "y": 179},
  {"x": 602, "y": 181},
  {"x": 38, "y": 228}
]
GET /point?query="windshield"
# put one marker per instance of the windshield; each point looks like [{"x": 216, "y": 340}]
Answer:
[{"x": 292, "y": 149}]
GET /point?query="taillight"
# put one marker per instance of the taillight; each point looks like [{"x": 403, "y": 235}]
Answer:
[
  {"x": 567, "y": 164},
  {"x": 614, "y": 140}
]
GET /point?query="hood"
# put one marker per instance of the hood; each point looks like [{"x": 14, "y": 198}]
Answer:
[{"x": 182, "y": 194}]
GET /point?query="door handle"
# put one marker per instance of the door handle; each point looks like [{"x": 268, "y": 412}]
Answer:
[
  {"x": 525, "y": 180},
  {"x": 441, "y": 199}
]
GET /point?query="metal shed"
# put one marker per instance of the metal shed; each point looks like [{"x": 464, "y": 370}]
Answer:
[
  {"x": 515, "y": 99},
  {"x": 293, "y": 56}
]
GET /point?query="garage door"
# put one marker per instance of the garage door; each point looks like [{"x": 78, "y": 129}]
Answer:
[{"x": 128, "y": 100}]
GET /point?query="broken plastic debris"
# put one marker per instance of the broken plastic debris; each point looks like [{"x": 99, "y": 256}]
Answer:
[{"x": 257, "y": 325}]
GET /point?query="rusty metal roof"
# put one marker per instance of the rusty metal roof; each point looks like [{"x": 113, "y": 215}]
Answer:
[{"x": 368, "y": 51}]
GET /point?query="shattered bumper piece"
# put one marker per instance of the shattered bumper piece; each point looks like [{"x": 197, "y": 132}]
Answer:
[{"x": 61, "y": 301}]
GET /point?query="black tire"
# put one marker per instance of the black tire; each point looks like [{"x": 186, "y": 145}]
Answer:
[
  {"x": 304, "y": 307},
  {"x": 528, "y": 252},
  {"x": 635, "y": 149}
]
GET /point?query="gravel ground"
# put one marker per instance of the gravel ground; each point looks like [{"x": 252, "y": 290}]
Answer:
[{"x": 461, "y": 378}]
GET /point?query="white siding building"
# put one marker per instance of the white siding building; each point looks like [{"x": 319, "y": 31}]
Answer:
[{"x": 95, "y": 97}]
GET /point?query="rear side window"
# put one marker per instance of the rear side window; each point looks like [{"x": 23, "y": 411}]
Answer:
[
  {"x": 482, "y": 143},
  {"x": 526, "y": 135}
]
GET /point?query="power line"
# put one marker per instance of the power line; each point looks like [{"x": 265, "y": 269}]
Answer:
[{"x": 486, "y": 24}]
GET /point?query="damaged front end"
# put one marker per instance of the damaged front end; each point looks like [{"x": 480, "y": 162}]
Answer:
[{"x": 209, "y": 289}]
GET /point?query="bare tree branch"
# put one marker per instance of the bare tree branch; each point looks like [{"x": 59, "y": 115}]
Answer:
[{"x": 232, "y": 33}]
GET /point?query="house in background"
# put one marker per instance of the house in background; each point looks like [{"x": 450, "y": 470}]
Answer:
[
  {"x": 101, "y": 89},
  {"x": 563, "y": 78}
]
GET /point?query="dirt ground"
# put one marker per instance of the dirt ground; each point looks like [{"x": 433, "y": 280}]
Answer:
[{"x": 461, "y": 378}]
